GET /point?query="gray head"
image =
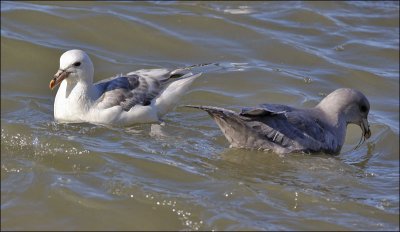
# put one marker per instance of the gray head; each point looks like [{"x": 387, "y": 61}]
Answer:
[
  {"x": 75, "y": 65},
  {"x": 350, "y": 104}
]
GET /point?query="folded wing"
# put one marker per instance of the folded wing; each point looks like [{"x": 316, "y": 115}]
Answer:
[
  {"x": 136, "y": 88},
  {"x": 288, "y": 127}
]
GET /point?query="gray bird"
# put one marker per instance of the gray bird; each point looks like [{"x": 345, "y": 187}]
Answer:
[{"x": 285, "y": 129}]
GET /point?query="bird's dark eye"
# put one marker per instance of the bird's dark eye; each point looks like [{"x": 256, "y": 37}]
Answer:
[
  {"x": 363, "y": 108},
  {"x": 77, "y": 64}
]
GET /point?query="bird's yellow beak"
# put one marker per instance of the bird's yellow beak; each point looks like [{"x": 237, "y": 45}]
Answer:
[
  {"x": 58, "y": 78},
  {"x": 365, "y": 128}
]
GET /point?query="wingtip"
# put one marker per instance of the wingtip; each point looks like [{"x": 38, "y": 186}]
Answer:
[
  {"x": 192, "y": 106},
  {"x": 200, "y": 107},
  {"x": 211, "y": 109},
  {"x": 192, "y": 75}
]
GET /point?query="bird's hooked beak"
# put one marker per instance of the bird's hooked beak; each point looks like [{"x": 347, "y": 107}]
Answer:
[
  {"x": 365, "y": 128},
  {"x": 58, "y": 78}
]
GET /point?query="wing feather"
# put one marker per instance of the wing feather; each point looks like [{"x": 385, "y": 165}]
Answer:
[
  {"x": 128, "y": 91},
  {"x": 140, "y": 87},
  {"x": 286, "y": 126}
]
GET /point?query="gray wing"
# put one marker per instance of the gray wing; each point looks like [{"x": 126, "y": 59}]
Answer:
[
  {"x": 135, "y": 88},
  {"x": 286, "y": 126},
  {"x": 265, "y": 109},
  {"x": 275, "y": 127}
]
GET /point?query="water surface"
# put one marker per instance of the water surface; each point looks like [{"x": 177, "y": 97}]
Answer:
[{"x": 183, "y": 175}]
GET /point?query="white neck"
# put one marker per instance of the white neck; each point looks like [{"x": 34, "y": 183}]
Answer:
[{"x": 73, "y": 100}]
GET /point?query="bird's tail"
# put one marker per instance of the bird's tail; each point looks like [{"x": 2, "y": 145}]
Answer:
[
  {"x": 175, "y": 90},
  {"x": 230, "y": 123},
  {"x": 213, "y": 111},
  {"x": 177, "y": 83},
  {"x": 196, "y": 68}
]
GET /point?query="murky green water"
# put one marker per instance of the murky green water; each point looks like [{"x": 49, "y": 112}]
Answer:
[{"x": 183, "y": 176}]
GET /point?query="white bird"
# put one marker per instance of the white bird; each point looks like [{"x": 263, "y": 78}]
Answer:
[
  {"x": 285, "y": 129},
  {"x": 141, "y": 96}
]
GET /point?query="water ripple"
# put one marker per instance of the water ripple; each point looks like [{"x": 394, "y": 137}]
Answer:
[{"x": 180, "y": 174}]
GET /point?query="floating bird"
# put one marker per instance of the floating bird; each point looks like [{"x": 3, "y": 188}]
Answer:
[
  {"x": 141, "y": 96},
  {"x": 285, "y": 129}
]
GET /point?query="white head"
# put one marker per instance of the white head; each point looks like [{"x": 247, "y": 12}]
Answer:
[
  {"x": 350, "y": 104},
  {"x": 75, "y": 66}
]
